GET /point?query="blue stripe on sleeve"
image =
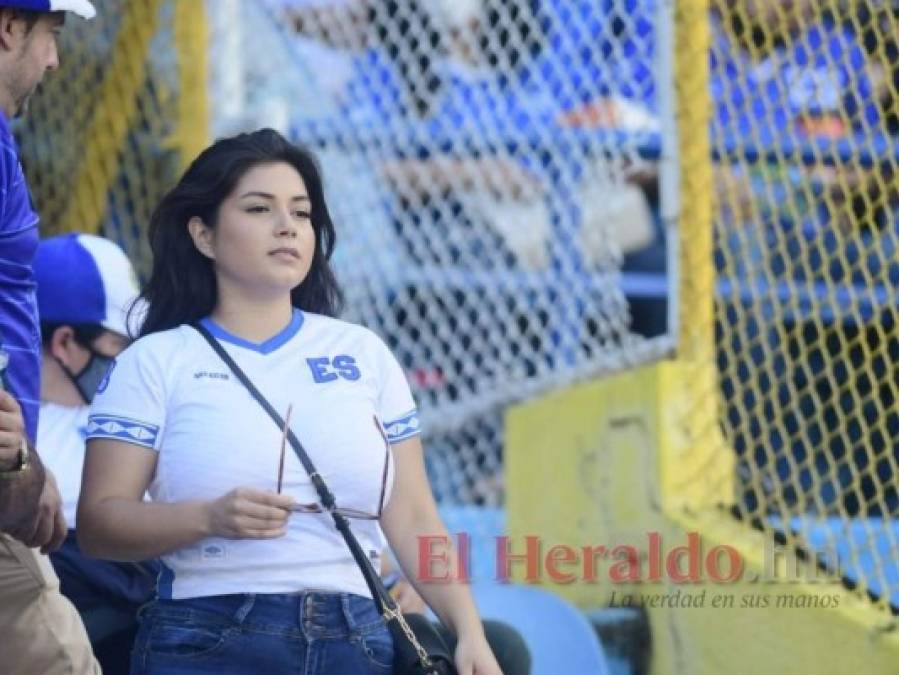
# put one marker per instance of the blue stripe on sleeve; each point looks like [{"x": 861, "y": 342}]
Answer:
[
  {"x": 122, "y": 429},
  {"x": 403, "y": 427}
]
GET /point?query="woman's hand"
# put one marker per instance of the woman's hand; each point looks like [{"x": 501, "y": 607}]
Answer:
[
  {"x": 473, "y": 657},
  {"x": 248, "y": 513}
]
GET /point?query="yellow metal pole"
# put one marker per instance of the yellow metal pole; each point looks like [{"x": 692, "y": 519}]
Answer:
[
  {"x": 113, "y": 116},
  {"x": 192, "y": 46},
  {"x": 693, "y": 106},
  {"x": 701, "y": 473}
]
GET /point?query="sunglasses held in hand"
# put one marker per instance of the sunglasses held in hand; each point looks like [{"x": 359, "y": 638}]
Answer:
[{"x": 315, "y": 507}]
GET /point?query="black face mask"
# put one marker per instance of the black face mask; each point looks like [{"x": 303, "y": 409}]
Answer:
[{"x": 88, "y": 378}]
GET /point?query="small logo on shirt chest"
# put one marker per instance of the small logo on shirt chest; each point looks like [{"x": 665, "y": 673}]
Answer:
[
  {"x": 214, "y": 552},
  {"x": 328, "y": 369},
  {"x": 205, "y": 374}
]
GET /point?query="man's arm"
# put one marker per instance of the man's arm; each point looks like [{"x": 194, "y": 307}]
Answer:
[
  {"x": 20, "y": 491},
  {"x": 30, "y": 505},
  {"x": 19, "y": 496}
]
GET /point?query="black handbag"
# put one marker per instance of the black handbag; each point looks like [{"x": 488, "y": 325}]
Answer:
[{"x": 418, "y": 647}]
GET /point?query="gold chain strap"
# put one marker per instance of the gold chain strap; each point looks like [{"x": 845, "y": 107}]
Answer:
[{"x": 391, "y": 614}]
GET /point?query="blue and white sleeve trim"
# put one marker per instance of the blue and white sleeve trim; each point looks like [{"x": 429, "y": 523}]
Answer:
[
  {"x": 123, "y": 429},
  {"x": 403, "y": 427}
]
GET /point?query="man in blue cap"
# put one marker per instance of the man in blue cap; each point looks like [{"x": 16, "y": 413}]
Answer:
[
  {"x": 86, "y": 287},
  {"x": 41, "y": 631}
]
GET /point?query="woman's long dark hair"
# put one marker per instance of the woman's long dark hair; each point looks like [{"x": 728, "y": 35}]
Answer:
[{"x": 182, "y": 286}]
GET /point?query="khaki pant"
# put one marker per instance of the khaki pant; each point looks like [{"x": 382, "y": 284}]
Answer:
[{"x": 41, "y": 632}]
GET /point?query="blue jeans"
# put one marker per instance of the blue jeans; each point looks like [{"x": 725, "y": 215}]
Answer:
[{"x": 310, "y": 633}]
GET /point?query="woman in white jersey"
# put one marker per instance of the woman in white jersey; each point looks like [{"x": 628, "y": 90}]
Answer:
[{"x": 242, "y": 245}]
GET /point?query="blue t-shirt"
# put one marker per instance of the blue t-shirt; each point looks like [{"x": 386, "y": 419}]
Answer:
[{"x": 20, "y": 334}]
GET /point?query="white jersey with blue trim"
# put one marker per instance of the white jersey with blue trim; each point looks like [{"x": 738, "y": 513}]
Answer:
[{"x": 171, "y": 393}]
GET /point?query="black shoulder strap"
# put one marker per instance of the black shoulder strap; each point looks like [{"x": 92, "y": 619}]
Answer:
[{"x": 380, "y": 594}]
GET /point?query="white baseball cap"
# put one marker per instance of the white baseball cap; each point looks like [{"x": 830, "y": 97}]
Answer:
[{"x": 86, "y": 279}]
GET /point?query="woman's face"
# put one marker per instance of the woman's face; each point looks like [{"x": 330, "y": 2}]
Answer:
[{"x": 263, "y": 242}]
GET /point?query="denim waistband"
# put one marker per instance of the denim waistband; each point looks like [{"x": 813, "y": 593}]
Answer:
[{"x": 315, "y": 614}]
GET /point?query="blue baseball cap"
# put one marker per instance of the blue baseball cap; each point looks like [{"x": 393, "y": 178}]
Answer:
[
  {"x": 82, "y": 278},
  {"x": 82, "y": 8}
]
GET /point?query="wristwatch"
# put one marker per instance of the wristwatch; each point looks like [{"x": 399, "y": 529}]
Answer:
[{"x": 21, "y": 463}]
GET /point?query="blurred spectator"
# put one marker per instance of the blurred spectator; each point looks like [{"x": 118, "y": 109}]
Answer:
[
  {"x": 402, "y": 30},
  {"x": 600, "y": 69},
  {"x": 505, "y": 80},
  {"x": 782, "y": 72},
  {"x": 485, "y": 206}
]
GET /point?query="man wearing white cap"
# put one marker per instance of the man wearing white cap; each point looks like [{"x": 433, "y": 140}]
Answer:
[
  {"x": 85, "y": 288},
  {"x": 41, "y": 632}
]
